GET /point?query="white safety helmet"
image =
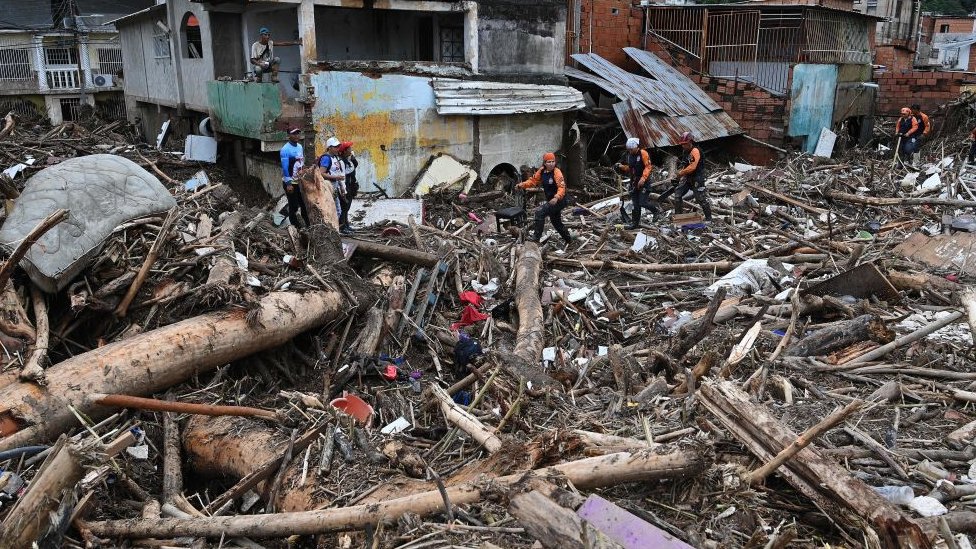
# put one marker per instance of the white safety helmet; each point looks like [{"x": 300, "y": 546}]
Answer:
[{"x": 633, "y": 143}]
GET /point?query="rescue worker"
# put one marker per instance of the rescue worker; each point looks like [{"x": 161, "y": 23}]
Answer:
[
  {"x": 907, "y": 128},
  {"x": 972, "y": 147},
  {"x": 637, "y": 163},
  {"x": 352, "y": 186},
  {"x": 334, "y": 170},
  {"x": 692, "y": 177},
  {"x": 292, "y": 160},
  {"x": 554, "y": 188},
  {"x": 924, "y": 128}
]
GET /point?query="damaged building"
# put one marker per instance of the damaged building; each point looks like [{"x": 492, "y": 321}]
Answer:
[
  {"x": 480, "y": 81},
  {"x": 57, "y": 57}
]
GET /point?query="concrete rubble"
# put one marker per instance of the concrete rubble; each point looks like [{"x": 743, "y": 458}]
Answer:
[{"x": 796, "y": 373}]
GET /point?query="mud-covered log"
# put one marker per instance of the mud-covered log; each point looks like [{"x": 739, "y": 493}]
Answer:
[
  {"x": 609, "y": 470},
  {"x": 825, "y": 341},
  {"x": 531, "y": 332},
  {"x": 231, "y": 447},
  {"x": 158, "y": 359},
  {"x": 398, "y": 254},
  {"x": 225, "y": 264},
  {"x": 317, "y": 193}
]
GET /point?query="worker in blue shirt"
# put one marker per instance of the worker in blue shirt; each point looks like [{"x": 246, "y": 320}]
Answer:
[{"x": 292, "y": 160}]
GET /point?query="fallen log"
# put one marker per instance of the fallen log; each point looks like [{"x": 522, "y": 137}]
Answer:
[
  {"x": 465, "y": 421},
  {"x": 225, "y": 264},
  {"x": 231, "y": 447},
  {"x": 825, "y": 341},
  {"x": 788, "y": 199},
  {"x": 589, "y": 473},
  {"x": 34, "y": 367},
  {"x": 830, "y": 486},
  {"x": 53, "y": 482},
  {"x": 595, "y": 264},
  {"x": 9, "y": 123},
  {"x": 154, "y": 251},
  {"x": 918, "y": 281},
  {"x": 158, "y": 359},
  {"x": 48, "y": 223},
  {"x": 367, "y": 248},
  {"x": 876, "y": 201},
  {"x": 906, "y": 339},
  {"x": 531, "y": 333},
  {"x": 139, "y": 403}
]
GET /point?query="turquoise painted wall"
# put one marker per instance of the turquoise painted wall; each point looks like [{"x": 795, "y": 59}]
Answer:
[{"x": 812, "y": 98}]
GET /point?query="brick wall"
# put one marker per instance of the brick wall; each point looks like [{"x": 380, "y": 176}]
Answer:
[
  {"x": 759, "y": 113},
  {"x": 929, "y": 89},
  {"x": 956, "y": 24},
  {"x": 606, "y": 27},
  {"x": 895, "y": 58}
]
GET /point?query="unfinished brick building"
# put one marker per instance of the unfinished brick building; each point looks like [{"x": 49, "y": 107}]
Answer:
[{"x": 782, "y": 71}]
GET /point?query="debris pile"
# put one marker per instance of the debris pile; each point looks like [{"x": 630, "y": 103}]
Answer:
[{"x": 798, "y": 372}]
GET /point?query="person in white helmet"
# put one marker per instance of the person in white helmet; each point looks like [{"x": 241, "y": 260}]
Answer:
[{"x": 637, "y": 163}]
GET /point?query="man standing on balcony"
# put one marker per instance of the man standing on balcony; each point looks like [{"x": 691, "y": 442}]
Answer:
[{"x": 263, "y": 57}]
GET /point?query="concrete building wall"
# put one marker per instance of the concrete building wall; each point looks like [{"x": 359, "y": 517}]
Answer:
[
  {"x": 149, "y": 77},
  {"x": 195, "y": 72},
  {"x": 516, "y": 140},
  {"x": 393, "y": 122},
  {"x": 521, "y": 37},
  {"x": 283, "y": 24}
]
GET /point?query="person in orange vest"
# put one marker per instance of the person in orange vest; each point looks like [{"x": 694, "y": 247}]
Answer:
[
  {"x": 692, "y": 175},
  {"x": 554, "y": 187},
  {"x": 908, "y": 129},
  {"x": 637, "y": 163},
  {"x": 923, "y": 120}
]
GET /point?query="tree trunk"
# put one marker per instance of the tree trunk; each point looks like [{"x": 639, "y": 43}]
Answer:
[
  {"x": 399, "y": 254},
  {"x": 531, "y": 332},
  {"x": 235, "y": 447},
  {"x": 917, "y": 281},
  {"x": 825, "y": 341},
  {"x": 585, "y": 474},
  {"x": 158, "y": 359},
  {"x": 226, "y": 263},
  {"x": 317, "y": 193},
  {"x": 875, "y": 201},
  {"x": 466, "y": 422},
  {"x": 827, "y": 484}
]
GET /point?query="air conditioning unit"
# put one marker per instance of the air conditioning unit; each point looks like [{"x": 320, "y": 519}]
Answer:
[{"x": 103, "y": 80}]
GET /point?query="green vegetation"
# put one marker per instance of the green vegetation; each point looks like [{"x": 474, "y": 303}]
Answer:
[{"x": 949, "y": 7}]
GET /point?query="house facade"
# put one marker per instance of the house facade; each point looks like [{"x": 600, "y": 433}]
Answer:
[
  {"x": 947, "y": 42},
  {"x": 896, "y": 36},
  {"x": 53, "y": 61},
  {"x": 404, "y": 80}
]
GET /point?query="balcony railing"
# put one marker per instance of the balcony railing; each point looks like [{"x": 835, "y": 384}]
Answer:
[{"x": 63, "y": 79}]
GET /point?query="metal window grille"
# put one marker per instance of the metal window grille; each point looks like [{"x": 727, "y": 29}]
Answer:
[
  {"x": 15, "y": 64},
  {"x": 830, "y": 38},
  {"x": 681, "y": 27},
  {"x": 62, "y": 79},
  {"x": 161, "y": 47},
  {"x": 61, "y": 56},
  {"x": 109, "y": 60},
  {"x": 111, "y": 110},
  {"x": 70, "y": 109},
  {"x": 452, "y": 45}
]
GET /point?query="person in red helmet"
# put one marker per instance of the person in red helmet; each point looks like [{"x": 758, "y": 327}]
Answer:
[
  {"x": 692, "y": 176},
  {"x": 554, "y": 188}
]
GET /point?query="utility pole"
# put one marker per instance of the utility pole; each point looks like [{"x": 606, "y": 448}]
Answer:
[{"x": 82, "y": 99}]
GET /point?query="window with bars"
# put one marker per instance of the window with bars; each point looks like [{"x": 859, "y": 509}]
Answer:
[
  {"x": 70, "y": 109},
  {"x": 15, "y": 65},
  {"x": 161, "y": 48},
  {"x": 452, "y": 45},
  {"x": 61, "y": 56},
  {"x": 109, "y": 60}
]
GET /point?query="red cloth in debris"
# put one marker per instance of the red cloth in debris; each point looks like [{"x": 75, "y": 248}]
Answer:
[
  {"x": 469, "y": 316},
  {"x": 471, "y": 297}
]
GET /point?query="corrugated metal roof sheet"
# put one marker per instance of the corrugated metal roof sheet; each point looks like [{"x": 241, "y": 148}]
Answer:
[
  {"x": 474, "y": 97},
  {"x": 659, "y": 108}
]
